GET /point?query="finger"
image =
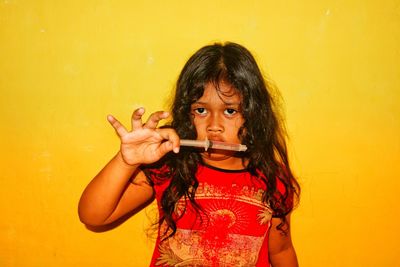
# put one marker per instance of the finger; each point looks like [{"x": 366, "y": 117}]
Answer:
[
  {"x": 164, "y": 148},
  {"x": 119, "y": 128},
  {"x": 137, "y": 118},
  {"x": 155, "y": 118},
  {"x": 172, "y": 137}
]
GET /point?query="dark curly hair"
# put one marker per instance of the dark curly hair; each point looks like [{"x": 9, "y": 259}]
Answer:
[{"x": 262, "y": 132}]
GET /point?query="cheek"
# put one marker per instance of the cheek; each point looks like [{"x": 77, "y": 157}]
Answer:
[
  {"x": 198, "y": 125},
  {"x": 237, "y": 129},
  {"x": 239, "y": 123}
]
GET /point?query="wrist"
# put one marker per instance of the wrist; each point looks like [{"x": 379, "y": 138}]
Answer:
[{"x": 125, "y": 164}]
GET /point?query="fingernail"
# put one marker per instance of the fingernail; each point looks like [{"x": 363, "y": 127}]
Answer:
[{"x": 176, "y": 150}]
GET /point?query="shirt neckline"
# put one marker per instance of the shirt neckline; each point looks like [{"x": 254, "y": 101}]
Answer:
[{"x": 223, "y": 170}]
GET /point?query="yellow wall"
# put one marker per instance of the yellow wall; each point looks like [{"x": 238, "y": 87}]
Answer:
[{"x": 64, "y": 65}]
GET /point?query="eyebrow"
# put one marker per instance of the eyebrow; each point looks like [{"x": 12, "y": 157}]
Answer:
[{"x": 225, "y": 103}]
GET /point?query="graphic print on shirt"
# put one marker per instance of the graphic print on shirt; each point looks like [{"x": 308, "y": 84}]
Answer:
[{"x": 229, "y": 231}]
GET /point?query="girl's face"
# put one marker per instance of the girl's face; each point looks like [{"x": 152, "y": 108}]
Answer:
[{"x": 217, "y": 116}]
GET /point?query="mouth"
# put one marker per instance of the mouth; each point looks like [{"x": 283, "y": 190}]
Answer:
[{"x": 215, "y": 138}]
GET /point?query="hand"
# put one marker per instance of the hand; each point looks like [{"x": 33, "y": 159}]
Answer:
[{"x": 145, "y": 143}]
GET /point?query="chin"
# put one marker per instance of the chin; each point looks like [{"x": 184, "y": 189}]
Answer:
[{"x": 218, "y": 154}]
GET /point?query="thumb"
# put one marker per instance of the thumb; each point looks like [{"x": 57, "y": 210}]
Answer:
[{"x": 164, "y": 148}]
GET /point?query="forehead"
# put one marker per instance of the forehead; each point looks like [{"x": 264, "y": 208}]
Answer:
[{"x": 221, "y": 93}]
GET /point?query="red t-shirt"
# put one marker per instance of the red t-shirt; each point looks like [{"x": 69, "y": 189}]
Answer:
[{"x": 230, "y": 230}]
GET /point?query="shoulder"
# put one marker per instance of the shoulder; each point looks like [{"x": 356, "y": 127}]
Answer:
[
  {"x": 284, "y": 197},
  {"x": 159, "y": 176},
  {"x": 280, "y": 186},
  {"x": 280, "y": 192}
]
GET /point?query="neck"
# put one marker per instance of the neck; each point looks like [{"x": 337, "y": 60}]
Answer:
[{"x": 230, "y": 163}]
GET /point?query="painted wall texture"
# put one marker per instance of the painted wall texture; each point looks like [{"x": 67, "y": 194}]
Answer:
[{"x": 65, "y": 65}]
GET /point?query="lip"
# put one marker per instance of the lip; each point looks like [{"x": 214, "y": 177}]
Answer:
[{"x": 215, "y": 138}]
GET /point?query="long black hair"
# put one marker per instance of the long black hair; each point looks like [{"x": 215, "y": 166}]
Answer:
[{"x": 262, "y": 132}]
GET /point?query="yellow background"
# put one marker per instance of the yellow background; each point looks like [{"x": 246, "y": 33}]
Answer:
[{"x": 64, "y": 65}]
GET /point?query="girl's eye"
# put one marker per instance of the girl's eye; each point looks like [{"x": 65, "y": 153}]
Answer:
[
  {"x": 201, "y": 111},
  {"x": 230, "y": 111}
]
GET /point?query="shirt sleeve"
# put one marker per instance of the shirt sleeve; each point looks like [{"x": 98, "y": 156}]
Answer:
[{"x": 284, "y": 198}]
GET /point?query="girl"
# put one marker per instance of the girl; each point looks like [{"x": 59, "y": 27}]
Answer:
[{"x": 216, "y": 207}]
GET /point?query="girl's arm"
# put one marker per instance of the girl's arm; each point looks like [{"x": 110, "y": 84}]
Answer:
[
  {"x": 110, "y": 195},
  {"x": 281, "y": 250},
  {"x": 120, "y": 187}
]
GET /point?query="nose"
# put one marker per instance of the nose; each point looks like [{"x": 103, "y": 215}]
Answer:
[{"x": 215, "y": 125}]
